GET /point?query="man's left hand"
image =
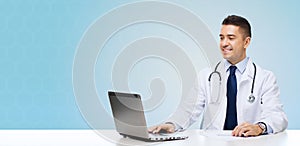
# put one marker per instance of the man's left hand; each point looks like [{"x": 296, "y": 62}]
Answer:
[{"x": 246, "y": 130}]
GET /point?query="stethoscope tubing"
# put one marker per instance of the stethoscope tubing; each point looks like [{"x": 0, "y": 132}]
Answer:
[{"x": 251, "y": 97}]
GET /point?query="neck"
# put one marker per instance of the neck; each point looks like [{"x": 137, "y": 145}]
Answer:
[{"x": 234, "y": 62}]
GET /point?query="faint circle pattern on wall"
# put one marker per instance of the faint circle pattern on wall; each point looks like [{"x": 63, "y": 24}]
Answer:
[{"x": 142, "y": 49}]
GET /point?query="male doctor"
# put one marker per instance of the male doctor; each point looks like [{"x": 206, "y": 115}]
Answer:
[{"x": 230, "y": 107}]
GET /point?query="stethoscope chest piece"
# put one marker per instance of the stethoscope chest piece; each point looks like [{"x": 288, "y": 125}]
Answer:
[{"x": 251, "y": 98}]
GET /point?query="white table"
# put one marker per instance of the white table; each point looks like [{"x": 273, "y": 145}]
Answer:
[{"x": 112, "y": 138}]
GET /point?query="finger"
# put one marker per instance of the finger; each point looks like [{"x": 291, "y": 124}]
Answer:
[
  {"x": 151, "y": 128},
  {"x": 243, "y": 132},
  {"x": 237, "y": 130},
  {"x": 158, "y": 128},
  {"x": 234, "y": 131},
  {"x": 248, "y": 133}
]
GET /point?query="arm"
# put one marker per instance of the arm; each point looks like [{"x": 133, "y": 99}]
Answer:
[
  {"x": 272, "y": 109},
  {"x": 189, "y": 110},
  {"x": 272, "y": 114}
]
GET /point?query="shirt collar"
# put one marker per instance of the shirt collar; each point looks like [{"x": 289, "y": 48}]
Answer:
[{"x": 241, "y": 66}]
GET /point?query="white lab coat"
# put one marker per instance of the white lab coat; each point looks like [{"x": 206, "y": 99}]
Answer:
[{"x": 266, "y": 108}]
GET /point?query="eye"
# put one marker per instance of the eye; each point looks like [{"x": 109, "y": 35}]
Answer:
[{"x": 231, "y": 38}]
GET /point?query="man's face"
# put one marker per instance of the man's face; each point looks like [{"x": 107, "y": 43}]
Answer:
[{"x": 233, "y": 44}]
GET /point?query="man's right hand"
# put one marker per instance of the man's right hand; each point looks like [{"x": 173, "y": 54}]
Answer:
[{"x": 168, "y": 127}]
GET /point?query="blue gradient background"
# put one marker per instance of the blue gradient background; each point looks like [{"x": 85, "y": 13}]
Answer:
[{"x": 38, "y": 41}]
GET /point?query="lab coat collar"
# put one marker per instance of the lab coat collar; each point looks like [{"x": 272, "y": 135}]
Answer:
[
  {"x": 249, "y": 71},
  {"x": 244, "y": 67},
  {"x": 241, "y": 66}
]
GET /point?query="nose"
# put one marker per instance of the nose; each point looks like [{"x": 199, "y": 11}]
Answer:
[{"x": 224, "y": 42}]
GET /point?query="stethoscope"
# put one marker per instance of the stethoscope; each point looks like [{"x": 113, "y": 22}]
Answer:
[{"x": 251, "y": 97}]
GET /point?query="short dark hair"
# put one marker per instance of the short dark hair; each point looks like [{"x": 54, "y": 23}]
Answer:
[{"x": 238, "y": 21}]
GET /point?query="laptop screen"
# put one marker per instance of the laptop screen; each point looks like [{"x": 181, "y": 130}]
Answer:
[{"x": 128, "y": 113}]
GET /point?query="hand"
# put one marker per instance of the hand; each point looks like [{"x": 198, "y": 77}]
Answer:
[
  {"x": 168, "y": 127},
  {"x": 246, "y": 130}
]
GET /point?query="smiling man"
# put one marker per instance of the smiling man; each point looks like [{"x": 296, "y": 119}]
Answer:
[
  {"x": 233, "y": 41},
  {"x": 249, "y": 105}
]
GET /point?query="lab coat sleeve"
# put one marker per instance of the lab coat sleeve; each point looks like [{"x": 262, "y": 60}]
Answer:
[
  {"x": 272, "y": 109},
  {"x": 191, "y": 106}
]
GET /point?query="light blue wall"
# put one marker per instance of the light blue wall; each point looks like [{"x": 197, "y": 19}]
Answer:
[{"x": 38, "y": 42}]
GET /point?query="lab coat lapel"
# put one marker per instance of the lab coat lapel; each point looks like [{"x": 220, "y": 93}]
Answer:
[
  {"x": 223, "y": 97},
  {"x": 243, "y": 89},
  {"x": 215, "y": 113}
]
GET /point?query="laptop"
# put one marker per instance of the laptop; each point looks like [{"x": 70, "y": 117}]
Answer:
[{"x": 129, "y": 118}]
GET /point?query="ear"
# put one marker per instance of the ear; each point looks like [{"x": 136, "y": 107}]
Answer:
[{"x": 247, "y": 42}]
